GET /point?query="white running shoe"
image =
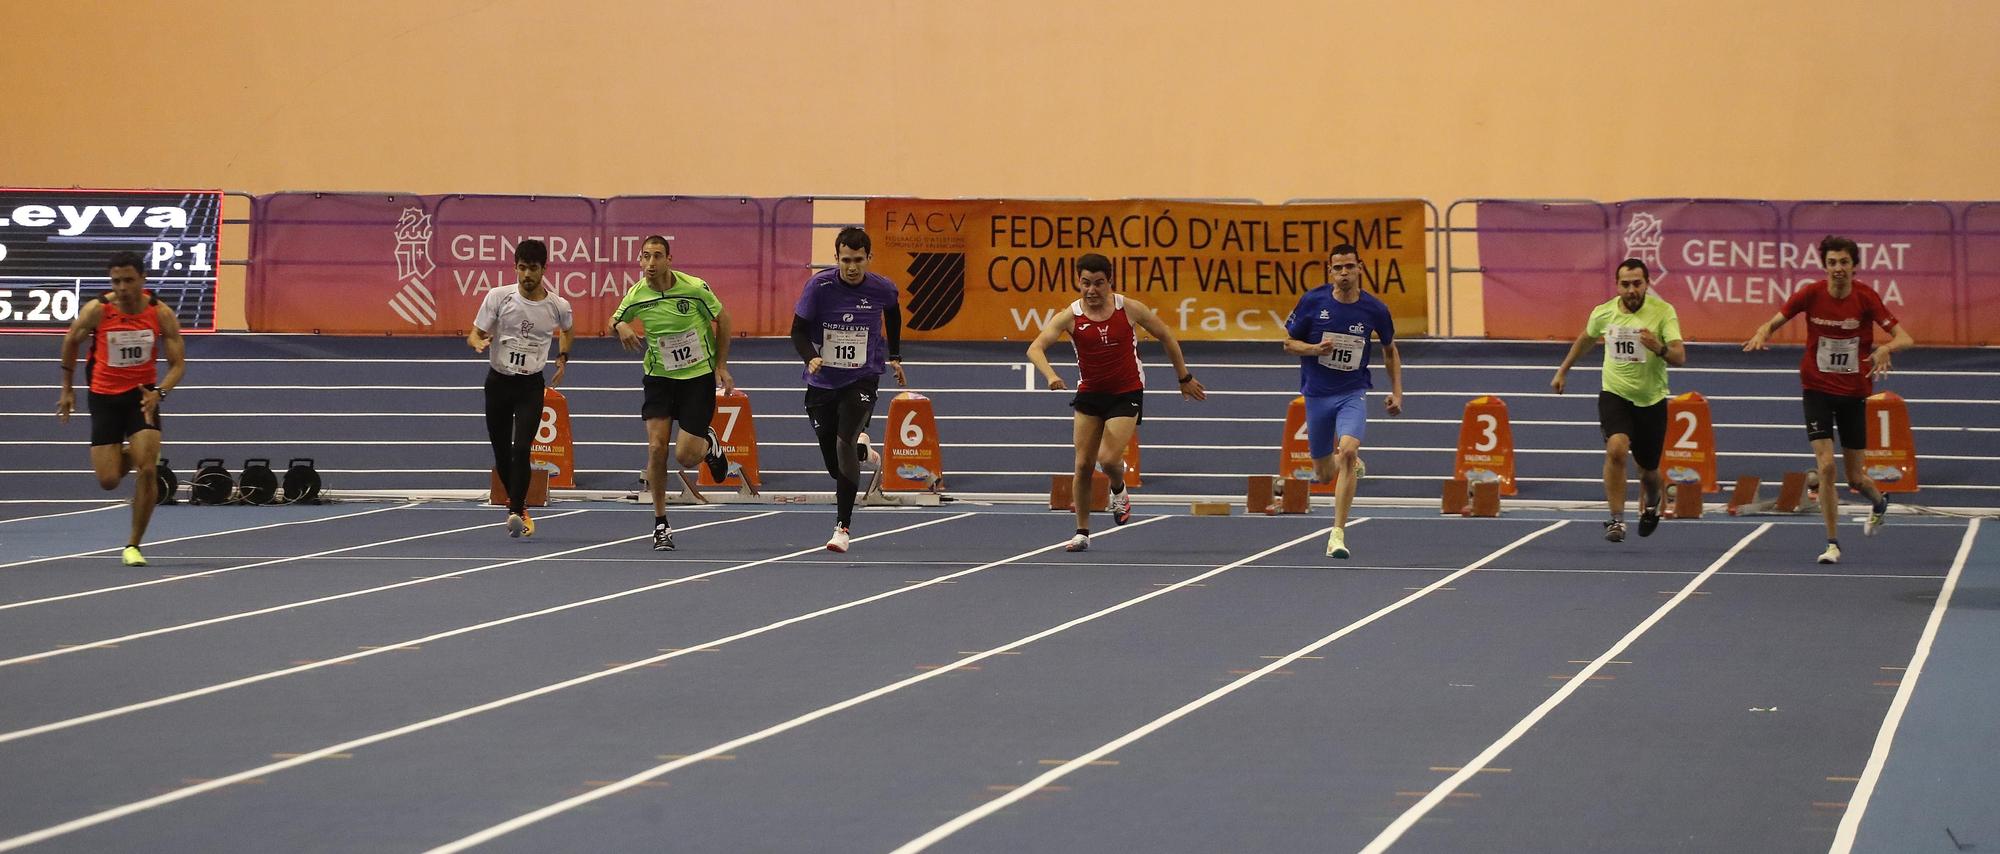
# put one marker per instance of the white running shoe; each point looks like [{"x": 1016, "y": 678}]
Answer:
[
  {"x": 839, "y": 541},
  {"x": 1336, "y": 543},
  {"x": 1121, "y": 507},
  {"x": 1078, "y": 543},
  {"x": 1831, "y": 555},
  {"x": 514, "y": 525}
]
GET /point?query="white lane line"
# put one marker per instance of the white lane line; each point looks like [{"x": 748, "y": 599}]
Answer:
[
  {"x": 374, "y": 649},
  {"x": 657, "y": 771},
  {"x": 259, "y": 561},
  {"x": 1436, "y": 796},
  {"x": 69, "y": 513},
  {"x": 108, "y": 642},
  {"x": 964, "y": 820},
  {"x": 116, "y": 549},
  {"x": 348, "y": 746},
  {"x": 1857, "y": 804}
]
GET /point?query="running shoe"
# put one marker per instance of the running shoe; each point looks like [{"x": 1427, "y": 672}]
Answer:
[
  {"x": 663, "y": 537},
  {"x": 1078, "y": 543},
  {"x": 1831, "y": 555},
  {"x": 1649, "y": 518},
  {"x": 527, "y": 524},
  {"x": 132, "y": 557},
  {"x": 839, "y": 541},
  {"x": 1614, "y": 531},
  {"x": 1876, "y": 516},
  {"x": 1121, "y": 507},
  {"x": 514, "y": 525},
  {"x": 716, "y": 458},
  {"x": 1336, "y": 543}
]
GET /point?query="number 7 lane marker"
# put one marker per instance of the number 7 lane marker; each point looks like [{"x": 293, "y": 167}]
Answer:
[
  {"x": 657, "y": 771},
  {"x": 1437, "y": 795},
  {"x": 939, "y": 833}
]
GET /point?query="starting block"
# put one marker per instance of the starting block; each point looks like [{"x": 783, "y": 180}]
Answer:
[
  {"x": 1259, "y": 494},
  {"x": 1062, "y": 494},
  {"x": 1471, "y": 499},
  {"x": 1456, "y": 496},
  {"x": 1210, "y": 508},
  {"x": 1486, "y": 498},
  {"x": 538, "y": 489},
  {"x": 1297, "y": 497},
  {"x": 1684, "y": 500},
  {"x": 1791, "y": 495}
]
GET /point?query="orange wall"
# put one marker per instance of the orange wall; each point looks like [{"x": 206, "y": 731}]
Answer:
[{"x": 1272, "y": 100}]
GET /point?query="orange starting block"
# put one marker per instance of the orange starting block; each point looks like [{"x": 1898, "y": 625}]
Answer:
[
  {"x": 1467, "y": 498},
  {"x": 1062, "y": 492},
  {"x": 1683, "y": 501},
  {"x": 1791, "y": 495}
]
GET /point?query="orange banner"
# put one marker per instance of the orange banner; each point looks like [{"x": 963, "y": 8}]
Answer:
[{"x": 996, "y": 270}]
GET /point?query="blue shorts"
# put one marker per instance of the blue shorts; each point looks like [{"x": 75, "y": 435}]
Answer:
[{"x": 1329, "y": 418}]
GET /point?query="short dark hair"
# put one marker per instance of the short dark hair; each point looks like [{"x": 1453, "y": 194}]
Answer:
[
  {"x": 853, "y": 237},
  {"x": 1634, "y": 264},
  {"x": 1836, "y": 243},
  {"x": 532, "y": 251},
  {"x": 1092, "y": 262},
  {"x": 1344, "y": 249},
  {"x": 126, "y": 259},
  {"x": 660, "y": 239}
]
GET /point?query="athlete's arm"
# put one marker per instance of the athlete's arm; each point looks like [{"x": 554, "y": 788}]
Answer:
[
  {"x": 564, "y": 338},
  {"x": 1756, "y": 341},
  {"x": 170, "y": 336},
  {"x": 1147, "y": 320},
  {"x": 1392, "y": 361},
  {"x": 1580, "y": 346},
  {"x": 80, "y": 331},
  {"x": 1674, "y": 352},
  {"x": 1037, "y": 354},
  {"x": 1295, "y": 347},
  {"x": 892, "y": 335},
  {"x": 722, "y": 332},
  {"x": 1880, "y": 358},
  {"x": 477, "y": 339}
]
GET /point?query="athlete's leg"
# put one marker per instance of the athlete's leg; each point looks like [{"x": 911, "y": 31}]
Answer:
[
  {"x": 1087, "y": 432},
  {"x": 1111, "y": 449},
  {"x": 1829, "y": 496},
  {"x": 146, "y": 491},
  {"x": 1617, "y": 449},
  {"x": 856, "y": 409},
  {"x": 659, "y": 445},
  {"x": 525, "y": 415}
]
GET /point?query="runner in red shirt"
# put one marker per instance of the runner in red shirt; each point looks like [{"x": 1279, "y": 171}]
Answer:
[
  {"x": 1110, "y": 388},
  {"x": 127, "y": 329},
  {"x": 1838, "y": 371}
]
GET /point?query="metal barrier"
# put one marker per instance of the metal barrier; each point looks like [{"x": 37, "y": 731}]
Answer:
[{"x": 1439, "y": 288}]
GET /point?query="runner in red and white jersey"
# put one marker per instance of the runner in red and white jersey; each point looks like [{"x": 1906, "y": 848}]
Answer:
[
  {"x": 127, "y": 329},
  {"x": 1111, "y": 387},
  {"x": 1838, "y": 372}
]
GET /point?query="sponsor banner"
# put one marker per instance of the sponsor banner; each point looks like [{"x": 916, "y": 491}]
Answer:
[
  {"x": 1725, "y": 265},
  {"x": 378, "y": 264},
  {"x": 994, "y": 269}
]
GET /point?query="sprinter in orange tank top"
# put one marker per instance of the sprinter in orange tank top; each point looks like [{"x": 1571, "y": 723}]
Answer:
[
  {"x": 127, "y": 330},
  {"x": 1111, "y": 385}
]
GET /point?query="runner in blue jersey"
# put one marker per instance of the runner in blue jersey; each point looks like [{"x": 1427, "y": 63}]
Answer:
[
  {"x": 1329, "y": 331},
  {"x": 846, "y": 326}
]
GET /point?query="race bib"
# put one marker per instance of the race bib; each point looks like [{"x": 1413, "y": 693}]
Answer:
[
  {"x": 1346, "y": 355},
  {"x": 1839, "y": 355},
  {"x": 1623, "y": 342},
  {"x": 843, "y": 347},
  {"x": 521, "y": 356},
  {"x": 682, "y": 350},
  {"x": 129, "y": 347}
]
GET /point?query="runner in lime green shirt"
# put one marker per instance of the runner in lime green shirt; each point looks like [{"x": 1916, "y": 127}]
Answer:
[
  {"x": 1642, "y": 336},
  {"x": 684, "y": 331}
]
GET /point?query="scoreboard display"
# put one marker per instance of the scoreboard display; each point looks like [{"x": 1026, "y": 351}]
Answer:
[{"x": 54, "y": 245}]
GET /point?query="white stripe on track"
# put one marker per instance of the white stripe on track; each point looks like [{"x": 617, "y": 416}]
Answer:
[
  {"x": 67, "y": 513},
  {"x": 163, "y": 799},
  {"x": 657, "y": 771},
  {"x": 116, "y": 549},
  {"x": 99, "y": 644},
  {"x": 1436, "y": 796},
  {"x": 966, "y": 819},
  {"x": 1864, "y": 789},
  {"x": 374, "y": 649}
]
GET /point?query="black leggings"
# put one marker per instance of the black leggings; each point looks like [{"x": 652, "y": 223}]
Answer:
[
  {"x": 513, "y": 412},
  {"x": 838, "y": 416}
]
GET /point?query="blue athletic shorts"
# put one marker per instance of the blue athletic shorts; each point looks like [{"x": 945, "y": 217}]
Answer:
[{"x": 1329, "y": 418}]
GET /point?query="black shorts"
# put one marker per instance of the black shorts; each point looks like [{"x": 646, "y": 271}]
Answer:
[
  {"x": 1097, "y": 404},
  {"x": 1644, "y": 426},
  {"x": 690, "y": 402},
  {"x": 116, "y": 416},
  {"x": 1826, "y": 413},
  {"x": 823, "y": 404}
]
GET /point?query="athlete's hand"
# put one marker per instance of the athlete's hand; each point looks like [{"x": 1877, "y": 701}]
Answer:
[
  {"x": 479, "y": 344},
  {"x": 555, "y": 381},
  {"x": 65, "y": 404},
  {"x": 897, "y": 366},
  {"x": 627, "y": 338},
  {"x": 1323, "y": 348},
  {"x": 727, "y": 382},
  {"x": 1881, "y": 359},
  {"x": 149, "y": 403},
  {"x": 1649, "y": 341},
  {"x": 812, "y": 365},
  {"x": 1056, "y": 384},
  {"x": 1562, "y": 379},
  {"x": 1394, "y": 405},
  {"x": 1192, "y": 390},
  {"x": 1756, "y": 341}
]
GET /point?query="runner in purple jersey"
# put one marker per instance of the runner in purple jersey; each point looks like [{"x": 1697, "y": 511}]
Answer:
[{"x": 846, "y": 326}]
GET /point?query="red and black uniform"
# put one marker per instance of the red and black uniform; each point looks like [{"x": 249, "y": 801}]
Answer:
[
  {"x": 1840, "y": 346},
  {"x": 124, "y": 357},
  {"x": 1111, "y": 383}
]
